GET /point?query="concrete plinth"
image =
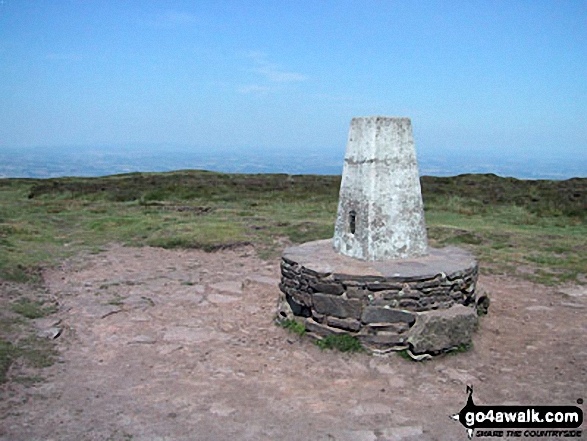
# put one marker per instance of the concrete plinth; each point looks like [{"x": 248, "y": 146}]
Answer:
[{"x": 379, "y": 302}]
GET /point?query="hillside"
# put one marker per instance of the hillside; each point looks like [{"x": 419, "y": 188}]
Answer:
[{"x": 508, "y": 223}]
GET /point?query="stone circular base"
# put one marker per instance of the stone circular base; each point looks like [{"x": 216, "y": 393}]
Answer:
[{"x": 426, "y": 304}]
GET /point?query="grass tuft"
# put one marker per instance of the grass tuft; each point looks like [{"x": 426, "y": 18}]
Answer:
[
  {"x": 405, "y": 355},
  {"x": 293, "y": 326},
  {"x": 36, "y": 352},
  {"x": 32, "y": 309},
  {"x": 463, "y": 347},
  {"x": 342, "y": 343}
]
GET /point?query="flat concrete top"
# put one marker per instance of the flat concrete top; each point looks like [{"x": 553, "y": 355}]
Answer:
[{"x": 319, "y": 256}]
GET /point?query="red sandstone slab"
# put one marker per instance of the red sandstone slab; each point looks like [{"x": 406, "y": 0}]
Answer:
[{"x": 320, "y": 257}]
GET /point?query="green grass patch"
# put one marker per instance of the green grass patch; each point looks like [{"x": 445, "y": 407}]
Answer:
[
  {"x": 28, "y": 380},
  {"x": 405, "y": 355},
  {"x": 33, "y": 351},
  {"x": 16, "y": 273},
  {"x": 293, "y": 326},
  {"x": 116, "y": 301},
  {"x": 32, "y": 309},
  {"x": 206, "y": 235},
  {"x": 36, "y": 352},
  {"x": 505, "y": 222},
  {"x": 340, "y": 342}
]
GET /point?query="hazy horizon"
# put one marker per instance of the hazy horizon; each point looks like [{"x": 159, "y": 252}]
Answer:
[
  {"x": 501, "y": 79},
  {"x": 88, "y": 161}
]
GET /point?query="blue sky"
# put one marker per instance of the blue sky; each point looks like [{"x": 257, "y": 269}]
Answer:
[{"x": 503, "y": 76}]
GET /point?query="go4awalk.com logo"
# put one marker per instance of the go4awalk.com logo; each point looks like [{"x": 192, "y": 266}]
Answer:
[{"x": 520, "y": 421}]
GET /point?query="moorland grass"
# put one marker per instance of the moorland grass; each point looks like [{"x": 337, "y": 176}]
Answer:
[
  {"x": 507, "y": 223},
  {"x": 531, "y": 229}
]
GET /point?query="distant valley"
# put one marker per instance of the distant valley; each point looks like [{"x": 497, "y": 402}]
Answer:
[{"x": 102, "y": 161}]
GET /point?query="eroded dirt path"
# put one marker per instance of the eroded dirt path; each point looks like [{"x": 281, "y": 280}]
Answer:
[{"x": 181, "y": 345}]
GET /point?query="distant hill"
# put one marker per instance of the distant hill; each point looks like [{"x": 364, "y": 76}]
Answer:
[{"x": 103, "y": 161}]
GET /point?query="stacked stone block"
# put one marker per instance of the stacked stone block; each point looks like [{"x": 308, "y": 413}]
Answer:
[{"x": 379, "y": 311}]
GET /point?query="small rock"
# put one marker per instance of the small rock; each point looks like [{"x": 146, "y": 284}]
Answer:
[
  {"x": 51, "y": 333},
  {"x": 142, "y": 339},
  {"x": 573, "y": 305},
  {"x": 435, "y": 331},
  {"x": 284, "y": 311},
  {"x": 46, "y": 322},
  {"x": 482, "y": 301},
  {"x": 574, "y": 291}
]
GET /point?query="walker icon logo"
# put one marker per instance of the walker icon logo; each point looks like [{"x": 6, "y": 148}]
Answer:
[{"x": 541, "y": 419}]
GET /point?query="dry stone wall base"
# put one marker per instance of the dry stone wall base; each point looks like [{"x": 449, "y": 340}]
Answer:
[{"x": 428, "y": 313}]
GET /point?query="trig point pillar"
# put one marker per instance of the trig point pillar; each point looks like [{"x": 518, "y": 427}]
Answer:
[
  {"x": 380, "y": 283},
  {"x": 380, "y": 210}
]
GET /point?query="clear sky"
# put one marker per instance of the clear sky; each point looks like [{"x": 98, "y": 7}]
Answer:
[{"x": 507, "y": 76}]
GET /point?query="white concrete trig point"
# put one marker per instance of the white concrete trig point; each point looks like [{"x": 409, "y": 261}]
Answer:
[
  {"x": 380, "y": 210},
  {"x": 380, "y": 283}
]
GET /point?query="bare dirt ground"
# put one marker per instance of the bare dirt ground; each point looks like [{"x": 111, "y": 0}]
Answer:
[{"x": 181, "y": 345}]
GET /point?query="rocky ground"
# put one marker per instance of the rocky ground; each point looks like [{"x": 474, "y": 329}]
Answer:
[{"x": 180, "y": 345}]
